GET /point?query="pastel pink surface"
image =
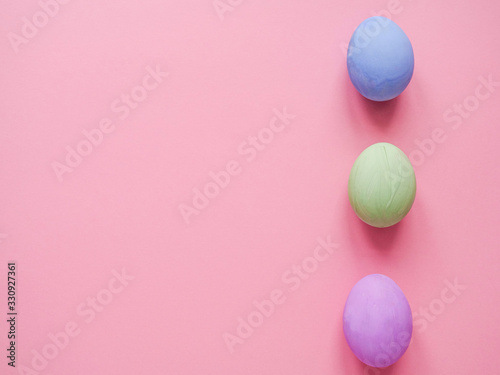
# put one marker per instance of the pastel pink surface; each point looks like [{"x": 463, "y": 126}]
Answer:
[{"x": 192, "y": 281}]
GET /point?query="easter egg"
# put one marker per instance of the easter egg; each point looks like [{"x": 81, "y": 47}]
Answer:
[
  {"x": 382, "y": 185},
  {"x": 377, "y": 321},
  {"x": 380, "y": 59}
]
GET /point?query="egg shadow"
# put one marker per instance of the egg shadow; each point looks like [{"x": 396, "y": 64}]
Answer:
[
  {"x": 361, "y": 109},
  {"x": 382, "y": 239}
]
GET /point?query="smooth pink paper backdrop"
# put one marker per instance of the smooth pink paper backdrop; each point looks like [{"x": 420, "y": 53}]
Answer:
[{"x": 119, "y": 209}]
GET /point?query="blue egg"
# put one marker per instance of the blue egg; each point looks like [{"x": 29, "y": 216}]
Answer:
[{"x": 380, "y": 59}]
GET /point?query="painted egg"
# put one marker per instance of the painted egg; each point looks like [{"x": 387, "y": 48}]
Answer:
[
  {"x": 377, "y": 321},
  {"x": 380, "y": 59},
  {"x": 382, "y": 185}
]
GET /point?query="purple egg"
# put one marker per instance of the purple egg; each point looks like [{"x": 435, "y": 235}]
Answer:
[{"x": 377, "y": 321}]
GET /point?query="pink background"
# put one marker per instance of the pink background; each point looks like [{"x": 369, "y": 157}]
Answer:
[{"x": 120, "y": 207}]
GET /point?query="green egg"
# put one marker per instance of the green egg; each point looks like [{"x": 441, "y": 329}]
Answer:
[{"x": 382, "y": 185}]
